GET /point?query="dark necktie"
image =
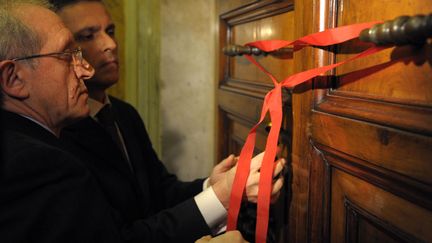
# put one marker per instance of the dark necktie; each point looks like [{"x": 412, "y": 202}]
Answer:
[{"x": 106, "y": 119}]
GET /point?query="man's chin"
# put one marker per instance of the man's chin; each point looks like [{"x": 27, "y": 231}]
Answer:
[{"x": 101, "y": 84}]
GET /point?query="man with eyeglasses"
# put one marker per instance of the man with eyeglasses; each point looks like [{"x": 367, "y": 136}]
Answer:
[
  {"x": 46, "y": 193},
  {"x": 152, "y": 204}
]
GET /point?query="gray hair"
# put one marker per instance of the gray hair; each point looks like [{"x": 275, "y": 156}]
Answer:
[{"x": 17, "y": 39}]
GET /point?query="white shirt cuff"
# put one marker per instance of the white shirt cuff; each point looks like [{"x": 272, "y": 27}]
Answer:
[
  {"x": 206, "y": 183},
  {"x": 212, "y": 210}
]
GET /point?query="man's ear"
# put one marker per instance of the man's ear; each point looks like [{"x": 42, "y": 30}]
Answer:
[{"x": 11, "y": 83}]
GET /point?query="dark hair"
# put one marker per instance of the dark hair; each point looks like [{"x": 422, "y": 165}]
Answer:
[{"x": 59, "y": 4}]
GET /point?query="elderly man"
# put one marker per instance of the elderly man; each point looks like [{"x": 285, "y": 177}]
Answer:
[
  {"x": 153, "y": 204},
  {"x": 47, "y": 194}
]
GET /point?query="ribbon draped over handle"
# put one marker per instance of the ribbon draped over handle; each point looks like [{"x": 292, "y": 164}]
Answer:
[{"x": 273, "y": 105}]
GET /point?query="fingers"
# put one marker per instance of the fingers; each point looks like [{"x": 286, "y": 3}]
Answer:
[
  {"x": 277, "y": 186},
  {"x": 252, "y": 191},
  {"x": 276, "y": 189},
  {"x": 280, "y": 164},
  {"x": 204, "y": 239},
  {"x": 220, "y": 169},
  {"x": 275, "y": 197},
  {"x": 254, "y": 175},
  {"x": 252, "y": 185},
  {"x": 230, "y": 236},
  {"x": 227, "y": 163},
  {"x": 256, "y": 162}
]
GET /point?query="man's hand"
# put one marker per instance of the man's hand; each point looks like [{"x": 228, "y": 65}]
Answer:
[
  {"x": 222, "y": 187},
  {"x": 252, "y": 183},
  {"x": 220, "y": 169},
  {"x": 228, "y": 237}
]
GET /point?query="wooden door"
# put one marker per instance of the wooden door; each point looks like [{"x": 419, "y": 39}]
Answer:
[
  {"x": 361, "y": 156},
  {"x": 369, "y": 143},
  {"x": 242, "y": 87}
]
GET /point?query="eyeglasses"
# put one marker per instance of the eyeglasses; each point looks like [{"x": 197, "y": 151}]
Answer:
[{"x": 76, "y": 55}]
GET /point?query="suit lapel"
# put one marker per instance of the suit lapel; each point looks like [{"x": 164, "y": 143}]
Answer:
[
  {"x": 92, "y": 138},
  {"x": 128, "y": 132},
  {"x": 133, "y": 145}
]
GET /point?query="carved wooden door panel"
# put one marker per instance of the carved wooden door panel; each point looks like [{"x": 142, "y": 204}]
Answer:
[
  {"x": 363, "y": 151},
  {"x": 242, "y": 86},
  {"x": 360, "y": 163}
]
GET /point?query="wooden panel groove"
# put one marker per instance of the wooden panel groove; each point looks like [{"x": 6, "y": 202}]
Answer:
[
  {"x": 410, "y": 118},
  {"x": 351, "y": 226},
  {"x": 240, "y": 128},
  {"x": 405, "y": 187},
  {"x": 405, "y": 215},
  {"x": 246, "y": 107},
  {"x": 355, "y": 213},
  {"x": 247, "y": 88},
  {"x": 254, "y": 90},
  {"x": 256, "y": 10},
  {"x": 319, "y": 197},
  {"x": 400, "y": 151},
  {"x": 246, "y": 122},
  {"x": 263, "y": 13}
]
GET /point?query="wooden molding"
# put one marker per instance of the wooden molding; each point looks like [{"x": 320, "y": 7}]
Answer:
[
  {"x": 256, "y": 10},
  {"x": 354, "y": 214},
  {"x": 405, "y": 117},
  {"x": 248, "y": 88},
  {"x": 319, "y": 197},
  {"x": 323, "y": 161},
  {"x": 403, "y": 186}
]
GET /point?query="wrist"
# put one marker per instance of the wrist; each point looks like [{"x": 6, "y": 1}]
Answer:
[{"x": 222, "y": 192}]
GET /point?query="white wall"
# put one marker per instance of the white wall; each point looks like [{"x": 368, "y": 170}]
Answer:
[{"x": 187, "y": 86}]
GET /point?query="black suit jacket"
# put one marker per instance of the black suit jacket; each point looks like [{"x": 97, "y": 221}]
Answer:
[
  {"x": 152, "y": 204},
  {"x": 46, "y": 193}
]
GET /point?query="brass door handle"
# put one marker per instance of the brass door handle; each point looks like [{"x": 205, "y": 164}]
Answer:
[
  {"x": 238, "y": 50},
  {"x": 401, "y": 31}
]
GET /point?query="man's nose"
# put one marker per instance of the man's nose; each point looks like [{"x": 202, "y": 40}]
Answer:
[
  {"x": 84, "y": 71},
  {"x": 109, "y": 43}
]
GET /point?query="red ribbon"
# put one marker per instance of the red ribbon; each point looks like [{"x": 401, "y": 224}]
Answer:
[{"x": 273, "y": 104}]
